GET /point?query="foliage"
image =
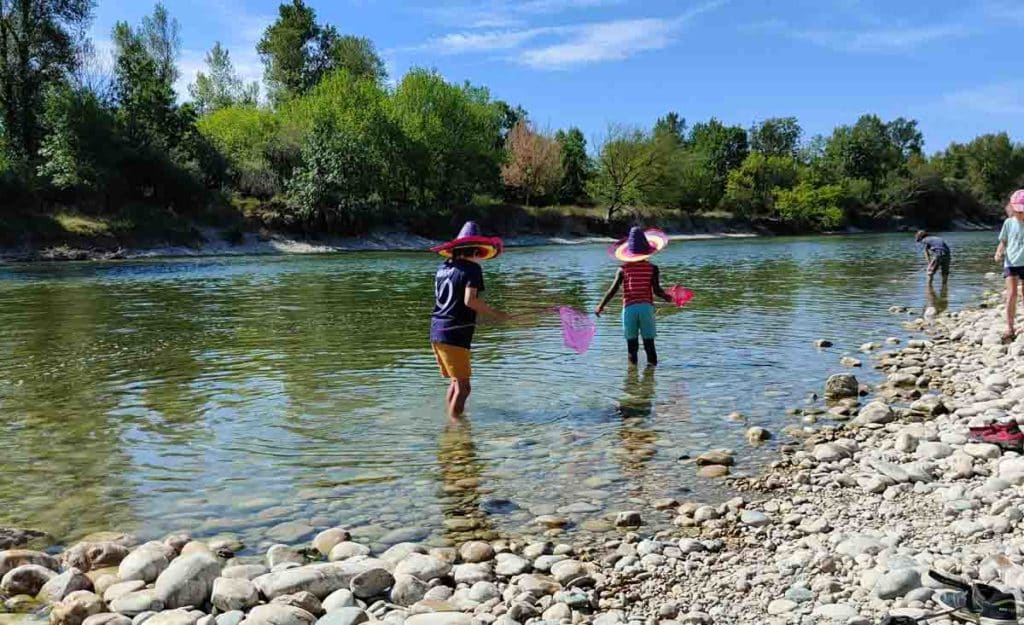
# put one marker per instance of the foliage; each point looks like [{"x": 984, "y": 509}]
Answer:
[
  {"x": 334, "y": 188},
  {"x": 451, "y": 138},
  {"x": 776, "y": 136},
  {"x": 625, "y": 169},
  {"x": 221, "y": 87},
  {"x": 750, "y": 190},
  {"x": 245, "y": 136},
  {"x": 288, "y": 48},
  {"x": 811, "y": 207},
  {"x": 533, "y": 168},
  {"x": 357, "y": 56},
  {"x": 577, "y": 168},
  {"x": 990, "y": 166},
  {"x": 35, "y": 53},
  {"x": 719, "y": 148}
]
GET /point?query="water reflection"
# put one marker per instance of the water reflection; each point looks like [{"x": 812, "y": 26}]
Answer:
[
  {"x": 939, "y": 302},
  {"x": 637, "y": 438},
  {"x": 462, "y": 475}
]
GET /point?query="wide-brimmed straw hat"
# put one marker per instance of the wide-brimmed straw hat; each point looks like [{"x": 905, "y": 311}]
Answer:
[
  {"x": 469, "y": 236},
  {"x": 639, "y": 245}
]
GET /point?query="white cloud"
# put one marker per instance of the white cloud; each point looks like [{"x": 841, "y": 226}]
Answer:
[
  {"x": 509, "y": 13},
  {"x": 1005, "y": 98},
  {"x": 1004, "y": 10},
  {"x": 470, "y": 41},
  {"x": 606, "y": 41},
  {"x": 884, "y": 40},
  {"x": 568, "y": 45}
]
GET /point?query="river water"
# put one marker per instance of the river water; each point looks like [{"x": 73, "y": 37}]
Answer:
[{"x": 265, "y": 397}]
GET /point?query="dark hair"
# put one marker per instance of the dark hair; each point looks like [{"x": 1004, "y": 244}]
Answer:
[
  {"x": 920, "y": 235},
  {"x": 466, "y": 252}
]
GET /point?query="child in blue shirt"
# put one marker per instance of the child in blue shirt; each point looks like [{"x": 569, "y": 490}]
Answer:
[{"x": 1011, "y": 253}]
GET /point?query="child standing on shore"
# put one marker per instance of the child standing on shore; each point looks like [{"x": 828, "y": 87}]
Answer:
[
  {"x": 1011, "y": 253},
  {"x": 457, "y": 287},
  {"x": 640, "y": 282}
]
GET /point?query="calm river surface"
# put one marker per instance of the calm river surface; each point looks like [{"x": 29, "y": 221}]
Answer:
[{"x": 265, "y": 397}]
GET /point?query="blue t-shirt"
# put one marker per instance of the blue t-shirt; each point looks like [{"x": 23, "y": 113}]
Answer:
[
  {"x": 453, "y": 322},
  {"x": 935, "y": 245},
  {"x": 1013, "y": 235}
]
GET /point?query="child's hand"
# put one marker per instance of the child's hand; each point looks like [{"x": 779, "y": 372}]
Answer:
[{"x": 999, "y": 256}]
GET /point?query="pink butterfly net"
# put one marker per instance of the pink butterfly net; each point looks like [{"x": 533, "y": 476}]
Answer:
[
  {"x": 578, "y": 329},
  {"x": 681, "y": 296}
]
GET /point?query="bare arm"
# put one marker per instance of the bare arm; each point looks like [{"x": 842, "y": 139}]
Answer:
[
  {"x": 656, "y": 285},
  {"x": 612, "y": 290},
  {"x": 476, "y": 303},
  {"x": 1000, "y": 251}
]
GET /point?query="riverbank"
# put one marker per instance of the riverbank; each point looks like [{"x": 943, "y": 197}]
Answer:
[
  {"x": 839, "y": 530},
  {"x": 217, "y": 242}
]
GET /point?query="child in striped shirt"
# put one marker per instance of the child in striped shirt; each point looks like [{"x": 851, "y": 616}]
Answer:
[{"x": 640, "y": 282}]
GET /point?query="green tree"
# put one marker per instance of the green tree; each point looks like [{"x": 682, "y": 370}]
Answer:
[
  {"x": 144, "y": 94},
  {"x": 871, "y": 149},
  {"x": 719, "y": 148},
  {"x": 81, "y": 150},
  {"x": 38, "y": 48},
  {"x": 577, "y": 167},
  {"x": 626, "y": 164},
  {"x": 807, "y": 206},
  {"x": 452, "y": 138},
  {"x": 161, "y": 35},
  {"x": 221, "y": 87},
  {"x": 334, "y": 188},
  {"x": 671, "y": 127},
  {"x": 287, "y": 49},
  {"x": 750, "y": 190},
  {"x": 358, "y": 56},
  {"x": 990, "y": 166},
  {"x": 776, "y": 136}
]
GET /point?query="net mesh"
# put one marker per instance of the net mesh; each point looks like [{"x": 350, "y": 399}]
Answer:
[
  {"x": 578, "y": 329},
  {"x": 680, "y": 295}
]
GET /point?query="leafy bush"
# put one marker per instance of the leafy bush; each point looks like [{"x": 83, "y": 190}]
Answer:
[{"x": 811, "y": 207}]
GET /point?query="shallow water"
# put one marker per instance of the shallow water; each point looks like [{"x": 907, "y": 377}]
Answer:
[{"x": 266, "y": 396}]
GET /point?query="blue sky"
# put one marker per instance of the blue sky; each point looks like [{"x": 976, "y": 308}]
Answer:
[{"x": 954, "y": 65}]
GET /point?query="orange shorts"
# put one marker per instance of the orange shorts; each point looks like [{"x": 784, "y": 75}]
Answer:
[{"x": 452, "y": 360}]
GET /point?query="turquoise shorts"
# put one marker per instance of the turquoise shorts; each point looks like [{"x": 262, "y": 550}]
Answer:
[{"x": 638, "y": 320}]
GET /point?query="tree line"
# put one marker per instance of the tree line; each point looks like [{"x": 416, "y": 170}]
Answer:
[{"x": 329, "y": 145}]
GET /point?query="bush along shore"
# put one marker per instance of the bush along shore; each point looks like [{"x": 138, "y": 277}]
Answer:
[{"x": 841, "y": 529}]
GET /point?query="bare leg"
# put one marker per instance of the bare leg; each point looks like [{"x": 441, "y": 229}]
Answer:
[
  {"x": 633, "y": 348},
  {"x": 450, "y": 395},
  {"x": 459, "y": 397},
  {"x": 1011, "y": 304}
]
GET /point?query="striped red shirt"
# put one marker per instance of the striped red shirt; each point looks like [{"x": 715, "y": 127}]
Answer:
[{"x": 637, "y": 283}]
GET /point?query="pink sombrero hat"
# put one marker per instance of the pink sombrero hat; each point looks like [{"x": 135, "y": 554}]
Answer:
[
  {"x": 639, "y": 245},
  {"x": 470, "y": 236}
]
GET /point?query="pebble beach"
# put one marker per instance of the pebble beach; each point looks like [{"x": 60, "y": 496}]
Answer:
[{"x": 840, "y": 529}]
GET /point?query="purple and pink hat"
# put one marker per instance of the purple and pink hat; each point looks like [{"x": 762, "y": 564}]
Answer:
[
  {"x": 639, "y": 245},
  {"x": 470, "y": 236}
]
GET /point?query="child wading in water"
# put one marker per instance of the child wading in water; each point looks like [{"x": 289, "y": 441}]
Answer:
[
  {"x": 640, "y": 283},
  {"x": 457, "y": 287},
  {"x": 936, "y": 252},
  {"x": 1011, "y": 248}
]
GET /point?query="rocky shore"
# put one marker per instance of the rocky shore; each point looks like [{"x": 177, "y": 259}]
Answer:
[{"x": 839, "y": 530}]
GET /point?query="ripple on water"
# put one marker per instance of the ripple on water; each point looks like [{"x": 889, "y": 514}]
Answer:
[{"x": 233, "y": 395}]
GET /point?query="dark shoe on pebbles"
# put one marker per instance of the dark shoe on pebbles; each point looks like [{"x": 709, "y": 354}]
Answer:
[{"x": 983, "y": 604}]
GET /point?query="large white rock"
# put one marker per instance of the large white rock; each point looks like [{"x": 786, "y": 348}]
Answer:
[
  {"x": 320, "y": 579},
  {"x": 188, "y": 580}
]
